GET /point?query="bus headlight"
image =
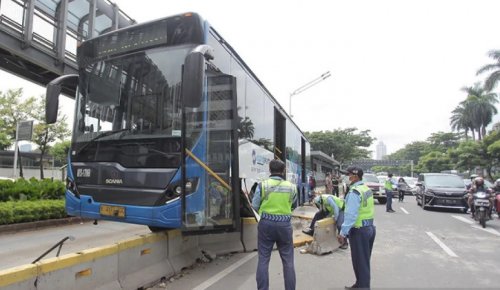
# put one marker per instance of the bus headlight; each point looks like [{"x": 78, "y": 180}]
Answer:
[
  {"x": 175, "y": 189},
  {"x": 189, "y": 186}
]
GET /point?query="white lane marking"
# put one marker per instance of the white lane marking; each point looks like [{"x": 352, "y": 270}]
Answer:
[
  {"x": 224, "y": 272},
  {"x": 477, "y": 226},
  {"x": 404, "y": 210},
  {"x": 442, "y": 245},
  {"x": 463, "y": 219},
  {"x": 488, "y": 230}
]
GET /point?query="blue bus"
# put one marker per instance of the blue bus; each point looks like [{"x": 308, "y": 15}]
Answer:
[{"x": 171, "y": 127}]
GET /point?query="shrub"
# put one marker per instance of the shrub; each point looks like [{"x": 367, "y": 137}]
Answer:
[
  {"x": 27, "y": 211},
  {"x": 32, "y": 189}
]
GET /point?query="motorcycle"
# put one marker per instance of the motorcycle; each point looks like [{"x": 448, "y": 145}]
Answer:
[
  {"x": 497, "y": 203},
  {"x": 482, "y": 207}
]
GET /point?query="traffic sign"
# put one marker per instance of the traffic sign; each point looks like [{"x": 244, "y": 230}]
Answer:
[{"x": 25, "y": 130}]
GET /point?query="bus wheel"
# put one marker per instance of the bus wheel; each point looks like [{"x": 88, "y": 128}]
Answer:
[{"x": 382, "y": 200}]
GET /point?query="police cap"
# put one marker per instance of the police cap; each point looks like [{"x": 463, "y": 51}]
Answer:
[{"x": 353, "y": 170}]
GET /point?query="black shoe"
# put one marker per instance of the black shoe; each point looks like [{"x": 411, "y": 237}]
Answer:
[
  {"x": 391, "y": 210},
  {"x": 351, "y": 287},
  {"x": 308, "y": 232},
  {"x": 344, "y": 246}
]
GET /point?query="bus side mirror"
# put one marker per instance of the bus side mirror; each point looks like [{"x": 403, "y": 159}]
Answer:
[
  {"x": 52, "y": 95},
  {"x": 52, "y": 103},
  {"x": 192, "y": 79}
]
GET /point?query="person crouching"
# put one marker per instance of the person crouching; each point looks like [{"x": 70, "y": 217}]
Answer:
[{"x": 329, "y": 206}]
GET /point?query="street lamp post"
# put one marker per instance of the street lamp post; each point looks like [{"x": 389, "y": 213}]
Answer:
[{"x": 305, "y": 87}]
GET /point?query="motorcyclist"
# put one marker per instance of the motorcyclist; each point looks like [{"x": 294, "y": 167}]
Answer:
[
  {"x": 495, "y": 192},
  {"x": 496, "y": 186},
  {"x": 472, "y": 177},
  {"x": 477, "y": 185}
]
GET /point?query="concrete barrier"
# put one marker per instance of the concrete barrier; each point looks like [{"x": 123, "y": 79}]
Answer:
[
  {"x": 19, "y": 278},
  {"x": 221, "y": 244},
  {"x": 182, "y": 250},
  {"x": 305, "y": 212},
  {"x": 325, "y": 237},
  {"x": 128, "y": 264},
  {"x": 94, "y": 268},
  {"x": 143, "y": 260},
  {"x": 249, "y": 234}
]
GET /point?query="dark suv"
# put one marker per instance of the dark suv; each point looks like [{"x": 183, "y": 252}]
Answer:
[{"x": 441, "y": 190}]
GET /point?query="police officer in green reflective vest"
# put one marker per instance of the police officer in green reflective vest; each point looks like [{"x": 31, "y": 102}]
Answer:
[
  {"x": 329, "y": 206},
  {"x": 358, "y": 226},
  {"x": 274, "y": 199}
]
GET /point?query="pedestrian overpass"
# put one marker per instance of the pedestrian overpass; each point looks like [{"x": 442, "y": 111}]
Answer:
[
  {"x": 367, "y": 164},
  {"x": 38, "y": 38}
]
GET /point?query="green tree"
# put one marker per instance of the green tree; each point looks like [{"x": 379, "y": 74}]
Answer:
[
  {"x": 13, "y": 109},
  {"x": 434, "y": 161},
  {"x": 461, "y": 119},
  {"x": 412, "y": 151},
  {"x": 442, "y": 141},
  {"x": 60, "y": 151},
  {"x": 44, "y": 135},
  {"x": 467, "y": 155},
  {"x": 343, "y": 144},
  {"x": 491, "y": 151},
  {"x": 494, "y": 76},
  {"x": 245, "y": 128},
  {"x": 480, "y": 107},
  {"x": 5, "y": 141}
]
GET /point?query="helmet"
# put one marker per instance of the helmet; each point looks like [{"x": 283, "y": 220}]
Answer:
[
  {"x": 497, "y": 183},
  {"x": 318, "y": 201},
  {"x": 479, "y": 181},
  {"x": 473, "y": 176}
]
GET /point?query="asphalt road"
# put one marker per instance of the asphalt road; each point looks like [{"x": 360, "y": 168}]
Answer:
[
  {"x": 23, "y": 247},
  {"x": 431, "y": 249},
  {"x": 413, "y": 249}
]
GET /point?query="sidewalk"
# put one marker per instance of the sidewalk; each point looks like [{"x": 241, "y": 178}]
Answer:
[{"x": 14, "y": 228}]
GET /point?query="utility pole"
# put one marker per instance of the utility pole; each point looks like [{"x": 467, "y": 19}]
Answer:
[{"x": 305, "y": 87}]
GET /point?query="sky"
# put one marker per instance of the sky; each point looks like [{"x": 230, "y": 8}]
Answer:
[{"x": 396, "y": 67}]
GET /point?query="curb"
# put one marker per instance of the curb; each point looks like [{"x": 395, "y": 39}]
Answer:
[{"x": 13, "y": 228}]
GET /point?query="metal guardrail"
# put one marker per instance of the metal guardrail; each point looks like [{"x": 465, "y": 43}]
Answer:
[{"x": 58, "y": 244}]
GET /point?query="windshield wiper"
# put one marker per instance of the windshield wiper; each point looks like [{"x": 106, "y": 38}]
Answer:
[{"x": 103, "y": 134}]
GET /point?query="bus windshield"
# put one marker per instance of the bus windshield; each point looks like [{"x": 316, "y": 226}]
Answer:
[{"x": 138, "y": 96}]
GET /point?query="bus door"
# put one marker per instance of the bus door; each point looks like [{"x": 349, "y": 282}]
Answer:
[{"x": 216, "y": 206}]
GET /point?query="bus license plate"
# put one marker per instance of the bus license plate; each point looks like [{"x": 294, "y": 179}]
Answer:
[{"x": 115, "y": 211}]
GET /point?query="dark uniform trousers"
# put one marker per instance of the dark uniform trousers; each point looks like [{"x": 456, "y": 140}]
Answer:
[
  {"x": 361, "y": 240},
  {"x": 281, "y": 233}
]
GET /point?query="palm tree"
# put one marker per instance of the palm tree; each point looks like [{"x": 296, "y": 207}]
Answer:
[
  {"x": 494, "y": 77},
  {"x": 461, "y": 120},
  {"x": 480, "y": 108},
  {"x": 246, "y": 128}
]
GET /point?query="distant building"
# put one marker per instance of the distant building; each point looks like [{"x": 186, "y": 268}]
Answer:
[
  {"x": 381, "y": 150},
  {"x": 496, "y": 127}
]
